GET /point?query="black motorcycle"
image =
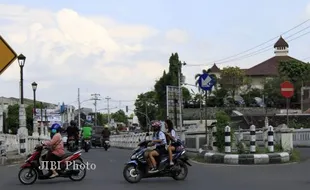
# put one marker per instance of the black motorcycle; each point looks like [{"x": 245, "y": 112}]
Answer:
[
  {"x": 105, "y": 144},
  {"x": 71, "y": 144},
  {"x": 137, "y": 168},
  {"x": 86, "y": 145}
]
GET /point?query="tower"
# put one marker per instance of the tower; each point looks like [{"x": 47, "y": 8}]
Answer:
[{"x": 281, "y": 47}]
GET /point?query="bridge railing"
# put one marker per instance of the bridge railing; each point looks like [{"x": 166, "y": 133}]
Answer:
[
  {"x": 128, "y": 140},
  {"x": 10, "y": 143},
  {"x": 196, "y": 140}
]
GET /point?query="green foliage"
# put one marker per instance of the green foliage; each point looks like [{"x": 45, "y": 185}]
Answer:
[
  {"x": 120, "y": 116},
  {"x": 146, "y": 102},
  {"x": 295, "y": 71},
  {"x": 12, "y": 120},
  {"x": 295, "y": 156},
  {"x": 232, "y": 78},
  {"x": 222, "y": 120},
  {"x": 272, "y": 93},
  {"x": 250, "y": 95}
]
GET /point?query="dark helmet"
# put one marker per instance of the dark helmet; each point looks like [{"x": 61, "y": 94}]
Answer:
[
  {"x": 156, "y": 125},
  {"x": 55, "y": 128},
  {"x": 73, "y": 123}
]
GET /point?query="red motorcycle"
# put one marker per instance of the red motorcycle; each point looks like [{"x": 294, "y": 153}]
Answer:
[{"x": 71, "y": 166}]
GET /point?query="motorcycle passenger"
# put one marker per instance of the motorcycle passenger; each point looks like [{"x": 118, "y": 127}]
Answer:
[
  {"x": 73, "y": 131},
  {"x": 105, "y": 134},
  {"x": 86, "y": 133},
  {"x": 171, "y": 138},
  {"x": 56, "y": 145},
  {"x": 159, "y": 139}
]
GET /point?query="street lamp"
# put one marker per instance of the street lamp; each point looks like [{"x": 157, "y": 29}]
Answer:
[
  {"x": 34, "y": 88},
  {"x": 21, "y": 61}
]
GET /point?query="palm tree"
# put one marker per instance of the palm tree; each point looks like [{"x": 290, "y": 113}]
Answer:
[{"x": 197, "y": 76}]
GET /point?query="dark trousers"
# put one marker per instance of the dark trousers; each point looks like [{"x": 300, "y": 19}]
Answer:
[{"x": 52, "y": 157}]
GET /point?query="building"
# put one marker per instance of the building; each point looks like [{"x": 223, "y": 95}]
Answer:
[{"x": 266, "y": 69}]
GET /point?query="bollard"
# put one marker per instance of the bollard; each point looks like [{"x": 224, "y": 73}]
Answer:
[
  {"x": 214, "y": 144},
  {"x": 227, "y": 140},
  {"x": 270, "y": 139},
  {"x": 252, "y": 139}
]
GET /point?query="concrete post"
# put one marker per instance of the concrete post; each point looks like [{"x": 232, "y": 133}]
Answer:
[
  {"x": 1, "y": 119},
  {"x": 270, "y": 139},
  {"x": 252, "y": 139},
  {"x": 214, "y": 144},
  {"x": 287, "y": 139},
  {"x": 22, "y": 131},
  {"x": 227, "y": 140}
]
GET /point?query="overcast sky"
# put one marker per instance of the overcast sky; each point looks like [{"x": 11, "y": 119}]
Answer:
[{"x": 119, "y": 48}]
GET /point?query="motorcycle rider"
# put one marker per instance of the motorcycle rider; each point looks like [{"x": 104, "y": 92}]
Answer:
[
  {"x": 73, "y": 131},
  {"x": 57, "y": 149},
  {"x": 86, "y": 132},
  {"x": 159, "y": 139},
  {"x": 105, "y": 134},
  {"x": 171, "y": 134}
]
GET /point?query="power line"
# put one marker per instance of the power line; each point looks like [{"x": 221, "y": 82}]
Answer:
[
  {"x": 112, "y": 100},
  {"x": 220, "y": 61}
]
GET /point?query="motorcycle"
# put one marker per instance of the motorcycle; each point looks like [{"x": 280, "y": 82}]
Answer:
[
  {"x": 71, "y": 144},
  {"x": 86, "y": 145},
  {"x": 137, "y": 168},
  {"x": 32, "y": 170},
  {"x": 106, "y": 144}
]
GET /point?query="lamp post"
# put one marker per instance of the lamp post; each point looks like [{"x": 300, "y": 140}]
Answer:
[
  {"x": 35, "y": 127},
  {"x": 22, "y": 131}
]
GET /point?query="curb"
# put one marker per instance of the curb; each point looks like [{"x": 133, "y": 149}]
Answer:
[
  {"x": 246, "y": 159},
  {"x": 8, "y": 161}
]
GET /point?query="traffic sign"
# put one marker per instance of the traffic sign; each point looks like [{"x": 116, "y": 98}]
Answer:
[
  {"x": 287, "y": 89},
  {"x": 206, "y": 82},
  {"x": 7, "y": 55}
]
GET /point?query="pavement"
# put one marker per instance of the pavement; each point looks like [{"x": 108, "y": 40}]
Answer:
[{"x": 108, "y": 175}]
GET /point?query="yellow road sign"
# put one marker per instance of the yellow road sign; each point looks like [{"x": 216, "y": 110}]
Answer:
[{"x": 7, "y": 55}]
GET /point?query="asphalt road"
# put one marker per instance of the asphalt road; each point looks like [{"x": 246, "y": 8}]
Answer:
[{"x": 108, "y": 175}]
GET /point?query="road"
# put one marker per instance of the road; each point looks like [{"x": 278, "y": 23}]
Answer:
[{"x": 108, "y": 174}]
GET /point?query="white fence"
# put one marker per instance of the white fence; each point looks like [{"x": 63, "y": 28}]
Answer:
[
  {"x": 196, "y": 140},
  {"x": 10, "y": 143}
]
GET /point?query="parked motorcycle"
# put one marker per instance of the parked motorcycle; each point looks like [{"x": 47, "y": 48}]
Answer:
[
  {"x": 71, "y": 145},
  {"x": 31, "y": 170},
  {"x": 137, "y": 167}
]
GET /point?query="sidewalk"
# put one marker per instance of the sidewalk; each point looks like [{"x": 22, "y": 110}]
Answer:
[{"x": 11, "y": 158}]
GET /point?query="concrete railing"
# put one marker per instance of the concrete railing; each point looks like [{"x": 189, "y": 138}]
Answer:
[
  {"x": 128, "y": 140},
  {"x": 196, "y": 140},
  {"x": 9, "y": 143}
]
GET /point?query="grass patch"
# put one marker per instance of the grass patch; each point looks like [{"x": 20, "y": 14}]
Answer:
[{"x": 295, "y": 156}]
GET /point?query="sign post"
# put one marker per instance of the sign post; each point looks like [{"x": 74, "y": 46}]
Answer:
[
  {"x": 206, "y": 83},
  {"x": 287, "y": 91},
  {"x": 7, "y": 55}
]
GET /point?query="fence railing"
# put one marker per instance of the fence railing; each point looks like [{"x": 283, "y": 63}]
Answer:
[{"x": 196, "y": 140}]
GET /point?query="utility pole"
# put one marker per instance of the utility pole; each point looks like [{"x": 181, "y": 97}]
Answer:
[
  {"x": 79, "y": 107},
  {"x": 95, "y": 98},
  {"x": 108, "y": 106}
]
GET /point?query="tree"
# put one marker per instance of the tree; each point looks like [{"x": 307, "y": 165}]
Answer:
[
  {"x": 272, "y": 93},
  {"x": 232, "y": 78},
  {"x": 12, "y": 120},
  {"x": 294, "y": 70},
  {"x": 146, "y": 105},
  {"x": 120, "y": 116},
  {"x": 251, "y": 94}
]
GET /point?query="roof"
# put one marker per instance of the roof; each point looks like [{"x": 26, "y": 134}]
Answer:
[
  {"x": 268, "y": 67},
  {"x": 281, "y": 43},
  {"x": 215, "y": 69}
]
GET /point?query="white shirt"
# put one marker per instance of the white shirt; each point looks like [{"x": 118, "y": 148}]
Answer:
[{"x": 161, "y": 136}]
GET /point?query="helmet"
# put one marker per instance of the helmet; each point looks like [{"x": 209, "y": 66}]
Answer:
[
  {"x": 106, "y": 126},
  {"x": 156, "y": 125},
  {"x": 55, "y": 128},
  {"x": 72, "y": 123}
]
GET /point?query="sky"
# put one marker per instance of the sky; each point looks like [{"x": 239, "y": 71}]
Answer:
[{"x": 120, "y": 48}]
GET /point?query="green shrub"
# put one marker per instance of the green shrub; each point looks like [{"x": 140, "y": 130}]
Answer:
[{"x": 222, "y": 120}]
